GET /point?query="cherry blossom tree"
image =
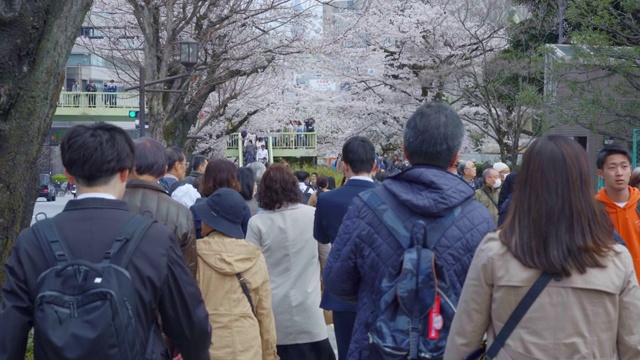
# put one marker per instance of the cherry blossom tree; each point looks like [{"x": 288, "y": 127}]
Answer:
[{"x": 239, "y": 40}]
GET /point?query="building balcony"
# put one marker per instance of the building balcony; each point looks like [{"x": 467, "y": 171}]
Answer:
[
  {"x": 280, "y": 145},
  {"x": 113, "y": 106}
]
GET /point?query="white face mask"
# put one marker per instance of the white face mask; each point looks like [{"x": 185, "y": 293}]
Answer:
[{"x": 497, "y": 184}]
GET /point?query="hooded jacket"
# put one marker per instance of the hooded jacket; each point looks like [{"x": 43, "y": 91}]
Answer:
[
  {"x": 236, "y": 332},
  {"x": 365, "y": 250},
  {"x": 626, "y": 221}
]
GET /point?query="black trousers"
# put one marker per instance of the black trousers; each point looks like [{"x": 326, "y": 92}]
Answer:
[
  {"x": 319, "y": 350},
  {"x": 343, "y": 322}
]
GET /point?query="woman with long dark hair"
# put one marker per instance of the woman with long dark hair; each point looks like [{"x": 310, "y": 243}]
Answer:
[
  {"x": 591, "y": 308},
  {"x": 284, "y": 231}
]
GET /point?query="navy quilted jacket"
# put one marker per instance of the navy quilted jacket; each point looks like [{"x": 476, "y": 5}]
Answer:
[{"x": 364, "y": 250}]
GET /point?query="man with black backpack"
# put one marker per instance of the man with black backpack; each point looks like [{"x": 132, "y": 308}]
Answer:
[
  {"x": 92, "y": 281},
  {"x": 404, "y": 248}
]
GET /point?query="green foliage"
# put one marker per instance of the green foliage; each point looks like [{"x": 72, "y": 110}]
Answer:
[
  {"x": 29, "y": 353},
  {"x": 59, "y": 177}
]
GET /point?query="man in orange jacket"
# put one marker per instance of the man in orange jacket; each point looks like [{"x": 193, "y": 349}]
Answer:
[{"x": 620, "y": 199}]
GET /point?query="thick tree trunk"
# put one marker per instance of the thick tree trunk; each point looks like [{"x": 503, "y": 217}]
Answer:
[{"x": 36, "y": 38}]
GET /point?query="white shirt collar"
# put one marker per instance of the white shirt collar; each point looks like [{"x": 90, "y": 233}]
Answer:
[
  {"x": 96, "y": 195},
  {"x": 365, "y": 178}
]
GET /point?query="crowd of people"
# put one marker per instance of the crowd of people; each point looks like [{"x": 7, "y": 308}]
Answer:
[{"x": 411, "y": 257}]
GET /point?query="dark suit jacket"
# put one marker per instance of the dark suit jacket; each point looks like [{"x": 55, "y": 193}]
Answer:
[
  {"x": 161, "y": 279},
  {"x": 330, "y": 209}
]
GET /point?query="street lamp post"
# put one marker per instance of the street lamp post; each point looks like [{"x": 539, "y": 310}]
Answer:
[{"x": 188, "y": 58}]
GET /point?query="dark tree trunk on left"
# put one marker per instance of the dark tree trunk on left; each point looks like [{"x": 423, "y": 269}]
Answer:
[{"x": 36, "y": 37}]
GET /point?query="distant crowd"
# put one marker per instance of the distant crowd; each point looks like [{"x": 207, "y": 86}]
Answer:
[{"x": 160, "y": 257}]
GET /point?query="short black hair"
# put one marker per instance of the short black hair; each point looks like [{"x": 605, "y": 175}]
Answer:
[
  {"x": 93, "y": 154},
  {"x": 247, "y": 182},
  {"x": 359, "y": 153},
  {"x": 301, "y": 175},
  {"x": 433, "y": 135},
  {"x": 174, "y": 155},
  {"x": 196, "y": 161},
  {"x": 609, "y": 150},
  {"x": 151, "y": 159}
]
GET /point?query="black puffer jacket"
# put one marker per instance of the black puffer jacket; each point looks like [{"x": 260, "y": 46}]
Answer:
[{"x": 151, "y": 199}]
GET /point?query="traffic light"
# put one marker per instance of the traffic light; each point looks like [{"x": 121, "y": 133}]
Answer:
[{"x": 133, "y": 114}]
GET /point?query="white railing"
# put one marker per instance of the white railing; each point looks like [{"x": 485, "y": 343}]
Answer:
[{"x": 98, "y": 100}]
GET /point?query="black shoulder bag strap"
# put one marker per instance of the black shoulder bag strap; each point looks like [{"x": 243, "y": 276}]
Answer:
[
  {"x": 517, "y": 315},
  {"x": 389, "y": 218},
  {"x": 490, "y": 198},
  {"x": 129, "y": 237},
  {"x": 245, "y": 290}
]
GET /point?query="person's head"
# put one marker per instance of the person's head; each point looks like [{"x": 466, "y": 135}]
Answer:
[
  {"x": 198, "y": 163},
  {"x": 503, "y": 169},
  {"x": 358, "y": 156},
  {"x": 151, "y": 159},
  {"x": 433, "y": 136},
  {"x": 176, "y": 162},
  {"x": 491, "y": 178},
  {"x": 322, "y": 182},
  {"x": 98, "y": 155},
  {"x": 614, "y": 167},
  {"x": 332, "y": 183},
  {"x": 262, "y": 147},
  {"x": 301, "y": 175},
  {"x": 469, "y": 170},
  {"x": 278, "y": 188},
  {"x": 247, "y": 182},
  {"x": 258, "y": 170},
  {"x": 556, "y": 226},
  {"x": 635, "y": 177},
  {"x": 223, "y": 211},
  {"x": 314, "y": 177},
  {"x": 219, "y": 173}
]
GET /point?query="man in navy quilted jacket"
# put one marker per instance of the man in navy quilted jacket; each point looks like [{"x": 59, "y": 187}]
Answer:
[{"x": 365, "y": 250}]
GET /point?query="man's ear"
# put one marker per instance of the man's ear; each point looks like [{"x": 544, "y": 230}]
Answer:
[
  {"x": 404, "y": 152},
  {"x": 601, "y": 174},
  {"x": 70, "y": 178},
  {"x": 455, "y": 159},
  {"x": 124, "y": 175}
]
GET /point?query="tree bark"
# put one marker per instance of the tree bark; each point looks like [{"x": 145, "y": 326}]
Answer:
[{"x": 36, "y": 38}]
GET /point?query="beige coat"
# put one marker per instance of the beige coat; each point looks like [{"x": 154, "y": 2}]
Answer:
[
  {"x": 236, "y": 332},
  {"x": 585, "y": 316}
]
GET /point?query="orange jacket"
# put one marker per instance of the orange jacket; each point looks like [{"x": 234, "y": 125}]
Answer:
[{"x": 626, "y": 221}]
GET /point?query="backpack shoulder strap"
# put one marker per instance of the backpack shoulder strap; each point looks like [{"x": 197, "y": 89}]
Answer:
[
  {"x": 435, "y": 229},
  {"x": 387, "y": 216},
  {"x": 129, "y": 237},
  {"x": 49, "y": 238}
]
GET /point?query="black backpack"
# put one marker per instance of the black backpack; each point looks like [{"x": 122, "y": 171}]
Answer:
[
  {"x": 85, "y": 310},
  {"x": 415, "y": 312},
  {"x": 306, "y": 195}
]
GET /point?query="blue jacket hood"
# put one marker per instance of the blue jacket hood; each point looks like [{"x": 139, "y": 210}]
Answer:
[{"x": 427, "y": 190}]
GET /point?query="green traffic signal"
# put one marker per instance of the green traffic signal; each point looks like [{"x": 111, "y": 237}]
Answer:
[{"x": 133, "y": 114}]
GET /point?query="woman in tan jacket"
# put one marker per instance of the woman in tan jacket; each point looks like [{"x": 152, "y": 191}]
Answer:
[
  {"x": 234, "y": 280},
  {"x": 591, "y": 310}
]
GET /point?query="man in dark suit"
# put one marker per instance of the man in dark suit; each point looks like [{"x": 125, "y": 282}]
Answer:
[
  {"x": 359, "y": 160},
  {"x": 98, "y": 158}
]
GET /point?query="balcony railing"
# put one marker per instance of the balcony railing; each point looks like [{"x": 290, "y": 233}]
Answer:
[
  {"x": 103, "y": 100},
  {"x": 281, "y": 144}
]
